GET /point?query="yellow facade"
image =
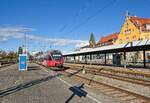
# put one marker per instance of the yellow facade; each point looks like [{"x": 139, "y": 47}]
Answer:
[
  {"x": 145, "y": 35},
  {"x": 129, "y": 32}
]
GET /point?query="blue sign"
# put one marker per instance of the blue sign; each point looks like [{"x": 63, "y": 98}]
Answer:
[{"x": 22, "y": 62}]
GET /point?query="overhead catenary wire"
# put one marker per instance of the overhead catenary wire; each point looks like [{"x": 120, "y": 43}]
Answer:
[
  {"x": 83, "y": 8},
  {"x": 92, "y": 16}
]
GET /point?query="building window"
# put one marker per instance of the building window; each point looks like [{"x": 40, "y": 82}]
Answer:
[
  {"x": 134, "y": 37},
  {"x": 128, "y": 31},
  {"x": 127, "y": 38},
  {"x": 147, "y": 26},
  {"x": 120, "y": 40}
]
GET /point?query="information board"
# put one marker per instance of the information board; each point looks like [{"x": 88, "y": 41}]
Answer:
[{"x": 22, "y": 62}]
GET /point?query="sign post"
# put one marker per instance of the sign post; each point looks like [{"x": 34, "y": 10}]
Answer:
[{"x": 22, "y": 62}]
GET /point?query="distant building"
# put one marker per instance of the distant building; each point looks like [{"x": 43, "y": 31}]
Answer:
[
  {"x": 134, "y": 28},
  {"x": 104, "y": 41},
  {"x": 108, "y": 40}
]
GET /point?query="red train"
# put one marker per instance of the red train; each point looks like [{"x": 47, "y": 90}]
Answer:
[{"x": 51, "y": 58}]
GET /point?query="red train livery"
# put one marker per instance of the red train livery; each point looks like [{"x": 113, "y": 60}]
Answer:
[{"x": 51, "y": 59}]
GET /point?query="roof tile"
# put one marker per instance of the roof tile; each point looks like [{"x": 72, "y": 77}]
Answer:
[{"x": 140, "y": 22}]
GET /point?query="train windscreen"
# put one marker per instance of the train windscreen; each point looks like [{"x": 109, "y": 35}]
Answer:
[{"x": 56, "y": 56}]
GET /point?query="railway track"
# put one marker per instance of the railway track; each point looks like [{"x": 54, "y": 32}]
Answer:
[
  {"x": 114, "y": 76},
  {"x": 111, "y": 69},
  {"x": 112, "y": 91},
  {"x": 109, "y": 90}
]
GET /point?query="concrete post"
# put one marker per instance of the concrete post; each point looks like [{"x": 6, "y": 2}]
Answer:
[
  {"x": 144, "y": 59},
  {"x": 74, "y": 58},
  {"x": 90, "y": 58},
  {"x": 105, "y": 58},
  {"x": 124, "y": 59},
  {"x": 85, "y": 58}
]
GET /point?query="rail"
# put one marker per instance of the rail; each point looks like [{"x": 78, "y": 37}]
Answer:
[
  {"x": 113, "y": 89},
  {"x": 102, "y": 72}
]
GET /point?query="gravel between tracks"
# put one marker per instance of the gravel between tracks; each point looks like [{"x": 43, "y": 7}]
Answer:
[{"x": 139, "y": 89}]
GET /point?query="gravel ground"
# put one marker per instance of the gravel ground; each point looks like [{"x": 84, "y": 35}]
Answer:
[
  {"x": 95, "y": 92},
  {"x": 139, "y": 89}
]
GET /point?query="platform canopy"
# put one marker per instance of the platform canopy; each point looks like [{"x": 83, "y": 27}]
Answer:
[{"x": 127, "y": 47}]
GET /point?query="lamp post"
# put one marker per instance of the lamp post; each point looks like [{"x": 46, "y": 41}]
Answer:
[{"x": 24, "y": 45}]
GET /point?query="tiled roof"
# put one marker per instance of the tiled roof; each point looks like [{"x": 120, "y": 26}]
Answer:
[
  {"x": 109, "y": 37},
  {"x": 140, "y": 22}
]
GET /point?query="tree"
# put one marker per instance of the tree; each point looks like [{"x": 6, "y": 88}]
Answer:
[
  {"x": 20, "y": 50},
  {"x": 92, "y": 40},
  {"x": 3, "y": 54},
  {"x": 12, "y": 56}
]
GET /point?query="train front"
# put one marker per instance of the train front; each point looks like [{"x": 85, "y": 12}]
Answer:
[{"x": 56, "y": 59}]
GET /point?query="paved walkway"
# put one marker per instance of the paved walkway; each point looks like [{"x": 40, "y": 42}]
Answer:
[{"x": 37, "y": 86}]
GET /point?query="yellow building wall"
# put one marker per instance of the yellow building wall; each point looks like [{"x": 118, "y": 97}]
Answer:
[
  {"x": 145, "y": 35},
  {"x": 128, "y": 32}
]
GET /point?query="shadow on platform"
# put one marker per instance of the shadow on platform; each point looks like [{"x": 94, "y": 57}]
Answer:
[
  {"x": 77, "y": 91},
  {"x": 21, "y": 86},
  {"x": 30, "y": 68}
]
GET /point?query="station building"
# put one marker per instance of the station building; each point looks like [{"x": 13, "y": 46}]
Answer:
[
  {"x": 108, "y": 40},
  {"x": 134, "y": 28}
]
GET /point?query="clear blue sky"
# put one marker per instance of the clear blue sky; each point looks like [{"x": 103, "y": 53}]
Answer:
[{"x": 67, "y": 19}]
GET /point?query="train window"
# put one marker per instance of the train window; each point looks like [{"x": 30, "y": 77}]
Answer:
[{"x": 56, "y": 56}]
